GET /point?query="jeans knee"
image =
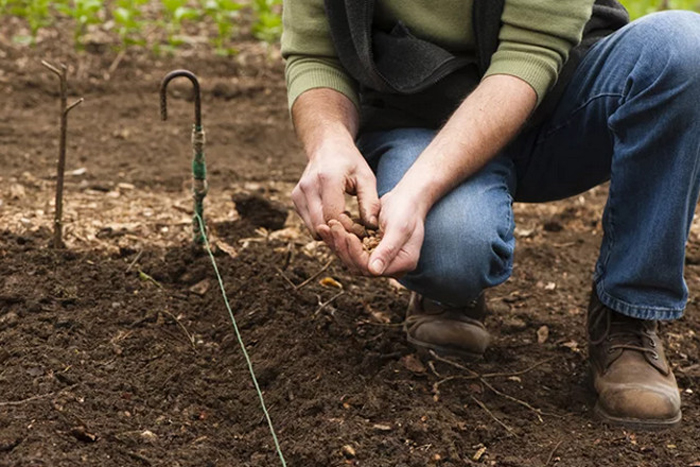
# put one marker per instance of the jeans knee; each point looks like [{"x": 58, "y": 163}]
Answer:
[
  {"x": 671, "y": 40},
  {"x": 461, "y": 257}
]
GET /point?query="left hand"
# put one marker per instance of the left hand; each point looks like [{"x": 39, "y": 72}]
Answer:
[{"x": 401, "y": 220}]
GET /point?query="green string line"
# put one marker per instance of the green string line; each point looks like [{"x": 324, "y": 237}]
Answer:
[{"x": 240, "y": 340}]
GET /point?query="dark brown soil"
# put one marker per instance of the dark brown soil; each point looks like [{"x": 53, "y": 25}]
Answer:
[{"x": 125, "y": 355}]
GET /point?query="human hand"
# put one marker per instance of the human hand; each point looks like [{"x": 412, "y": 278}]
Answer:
[
  {"x": 335, "y": 169},
  {"x": 401, "y": 223},
  {"x": 402, "y": 220}
]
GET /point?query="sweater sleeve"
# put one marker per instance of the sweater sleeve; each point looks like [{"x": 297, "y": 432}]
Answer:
[
  {"x": 307, "y": 47},
  {"x": 535, "y": 39}
]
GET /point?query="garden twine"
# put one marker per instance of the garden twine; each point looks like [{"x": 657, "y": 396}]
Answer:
[{"x": 240, "y": 339}]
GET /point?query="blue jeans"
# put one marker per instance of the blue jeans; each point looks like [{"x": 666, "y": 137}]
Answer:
[{"x": 631, "y": 114}]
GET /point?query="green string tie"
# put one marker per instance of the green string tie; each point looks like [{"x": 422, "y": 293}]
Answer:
[
  {"x": 240, "y": 340},
  {"x": 199, "y": 182}
]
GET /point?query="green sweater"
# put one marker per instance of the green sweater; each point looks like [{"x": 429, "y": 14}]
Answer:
[{"x": 535, "y": 39}]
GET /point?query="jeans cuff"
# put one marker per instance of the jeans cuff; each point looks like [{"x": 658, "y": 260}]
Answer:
[{"x": 655, "y": 313}]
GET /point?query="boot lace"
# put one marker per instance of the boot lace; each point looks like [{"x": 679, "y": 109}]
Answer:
[{"x": 623, "y": 333}]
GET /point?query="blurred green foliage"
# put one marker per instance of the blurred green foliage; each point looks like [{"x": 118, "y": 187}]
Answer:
[
  {"x": 263, "y": 16},
  {"x": 639, "y": 8}
]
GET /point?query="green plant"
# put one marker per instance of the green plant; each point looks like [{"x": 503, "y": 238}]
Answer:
[
  {"x": 83, "y": 12},
  {"x": 37, "y": 13},
  {"x": 224, "y": 13},
  {"x": 176, "y": 12},
  {"x": 129, "y": 19},
  {"x": 268, "y": 20},
  {"x": 6, "y": 6}
]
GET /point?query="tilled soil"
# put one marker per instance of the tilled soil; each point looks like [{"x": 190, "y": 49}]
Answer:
[{"x": 119, "y": 351}]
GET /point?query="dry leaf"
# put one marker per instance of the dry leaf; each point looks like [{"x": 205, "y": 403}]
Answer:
[
  {"x": 330, "y": 282},
  {"x": 200, "y": 288},
  {"x": 478, "y": 454},
  {"x": 17, "y": 191},
  {"x": 413, "y": 364},
  {"x": 542, "y": 334},
  {"x": 573, "y": 345}
]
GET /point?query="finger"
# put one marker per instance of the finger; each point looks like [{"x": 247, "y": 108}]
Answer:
[
  {"x": 368, "y": 200},
  {"x": 352, "y": 226},
  {"x": 359, "y": 255},
  {"x": 332, "y": 197},
  {"x": 395, "y": 237},
  {"x": 407, "y": 258},
  {"x": 325, "y": 233},
  {"x": 302, "y": 209},
  {"x": 340, "y": 242}
]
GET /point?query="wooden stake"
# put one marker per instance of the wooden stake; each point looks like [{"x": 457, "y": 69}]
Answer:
[{"x": 65, "y": 108}]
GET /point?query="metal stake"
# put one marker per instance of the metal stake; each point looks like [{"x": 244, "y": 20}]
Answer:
[{"x": 199, "y": 167}]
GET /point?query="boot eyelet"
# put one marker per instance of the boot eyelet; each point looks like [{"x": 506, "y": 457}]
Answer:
[
  {"x": 655, "y": 356},
  {"x": 652, "y": 343},
  {"x": 610, "y": 350}
]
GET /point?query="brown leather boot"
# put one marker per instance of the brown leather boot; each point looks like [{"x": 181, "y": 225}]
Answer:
[
  {"x": 634, "y": 382},
  {"x": 447, "y": 331}
]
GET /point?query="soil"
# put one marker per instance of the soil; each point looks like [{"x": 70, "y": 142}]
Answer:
[{"x": 119, "y": 351}]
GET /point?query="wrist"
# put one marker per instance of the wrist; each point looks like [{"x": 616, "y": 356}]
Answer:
[
  {"x": 417, "y": 192},
  {"x": 329, "y": 140}
]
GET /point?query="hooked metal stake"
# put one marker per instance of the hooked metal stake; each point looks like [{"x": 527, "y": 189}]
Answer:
[{"x": 199, "y": 168}]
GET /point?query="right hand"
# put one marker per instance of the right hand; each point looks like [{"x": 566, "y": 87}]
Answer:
[{"x": 335, "y": 169}]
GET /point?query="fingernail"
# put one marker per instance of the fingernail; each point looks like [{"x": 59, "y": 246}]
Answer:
[{"x": 377, "y": 266}]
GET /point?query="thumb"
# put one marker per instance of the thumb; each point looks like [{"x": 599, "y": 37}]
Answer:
[{"x": 394, "y": 239}]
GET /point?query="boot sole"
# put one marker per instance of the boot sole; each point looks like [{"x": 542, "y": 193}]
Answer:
[
  {"x": 636, "y": 423},
  {"x": 425, "y": 348}
]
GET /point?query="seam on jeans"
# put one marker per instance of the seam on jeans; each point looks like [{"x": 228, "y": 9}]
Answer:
[
  {"x": 553, "y": 130},
  {"x": 636, "y": 311},
  {"x": 510, "y": 220}
]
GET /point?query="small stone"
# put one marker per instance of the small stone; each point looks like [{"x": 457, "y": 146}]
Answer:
[
  {"x": 542, "y": 334},
  {"x": 149, "y": 436},
  {"x": 479, "y": 454},
  {"x": 348, "y": 451},
  {"x": 381, "y": 427}
]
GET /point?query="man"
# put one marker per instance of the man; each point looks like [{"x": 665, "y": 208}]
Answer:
[{"x": 437, "y": 115}]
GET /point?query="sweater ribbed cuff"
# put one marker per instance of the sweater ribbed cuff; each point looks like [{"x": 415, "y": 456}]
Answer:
[
  {"x": 537, "y": 71},
  {"x": 304, "y": 77}
]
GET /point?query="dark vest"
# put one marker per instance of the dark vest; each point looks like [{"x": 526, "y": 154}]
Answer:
[{"x": 406, "y": 81}]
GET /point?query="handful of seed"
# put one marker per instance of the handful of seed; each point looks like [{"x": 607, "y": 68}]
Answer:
[
  {"x": 370, "y": 237},
  {"x": 371, "y": 240}
]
